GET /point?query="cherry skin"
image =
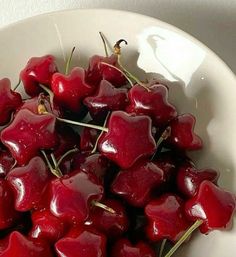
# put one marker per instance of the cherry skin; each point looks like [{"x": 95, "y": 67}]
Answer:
[
  {"x": 123, "y": 248},
  {"x": 128, "y": 139},
  {"x": 70, "y": 90},
  {"x": 111, "y": 224},
  {"x": 166, "y": 218},
  {"x": 29, "y": 183},
  {"x": 20, "y": 246},
  {"x": 46, "y": 226},
  {"x": 213, "y": 205},
  {"x": 27, "y": 134},
  {"x": 72, "y": 196},
  {"x": 153, "y": 103},
  {"x": 6, "y": 162},
  {"x": 182, "y": 133},
  {"x": 9, "y": 101},
  {"x": 189, "y": 179},
  {"x": 38, "y": 70},
  {"x": 135, "y": 184},
  {"x": 107, "y": 98},
  {"x": 86, "y": 243}
]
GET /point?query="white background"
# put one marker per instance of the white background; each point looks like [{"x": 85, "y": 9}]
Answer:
[{"x": 211, "y": 21}]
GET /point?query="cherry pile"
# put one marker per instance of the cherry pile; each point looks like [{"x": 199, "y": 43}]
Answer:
[{"x": 121, "y": 186}]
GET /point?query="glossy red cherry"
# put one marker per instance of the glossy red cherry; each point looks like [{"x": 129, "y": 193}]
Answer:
[
  {"x": 123, "y": 248},
  {"x": 166, "y": 218},
  {"x": 189, "y": 178},
  {"x": 70, "y": 90},
  {"x": 38, "y": 70},
  {"x": 72, "y": 196},
  {"x": 6, "y": 162},
  {"x": 8, "y": 214},
  {"x": 86, "y": 243},
  {"x": 128, "y": 139},
  {"x": 9, "y": 101},
  {"x": 111, "y": 224},
  {"x": 182, "y": 133},
  {"x": 28, "y": 133},
  {"x": 136, "y": 184},
  {"x": 46, "y": 226},
  {"x": 107, "y": 98},
  {"x": 213, "y": 205},
  {"x": 152, "y": 102},
  {"x": 29, "y": 183},
  {"x": 97, "y": 71},
  {"x": 20, "y": 246}
]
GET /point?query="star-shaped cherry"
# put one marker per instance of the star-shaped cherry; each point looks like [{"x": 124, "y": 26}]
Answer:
[
  {"x": 20, "y": 246},
  {"x": 107, "y": 98},
  {"x": 182, "y": 133},
  {"x": 152, "y": 102},
  {"x": 29, "y": 183},
  {"x": 38, "y": 70},
  {"x": 128, "y": 139},
  {"x": 70, "y": 90},
  {"x": 9, "y": 101},
  {"x": 28, "y": 133}
]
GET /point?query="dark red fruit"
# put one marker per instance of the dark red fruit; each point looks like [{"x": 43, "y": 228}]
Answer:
[
  {"x": 128, "y": 139},
  {"x": 38, "y": 70},
  {"x": 9, "y": 101},
  {"x": 123, "y": 248},
  {"x": 189, "y": 179},
  {"x": 87, "y": 244},
  {"x": 29, "y": 183},
  {"x": 213, "y": 205},
  {"x": 135, "y": 184},
  {"x": 111, "y": 224},
  {"x": 107, "y": 98},
  {"x": 6, "y": 162},
  {"x": 70, "y": 90},
  {"x": 166, "y": 218},
  {"x": 182, "y": 134},
  {"x": 27, "y": 134},
  {"x": 153, "y": 103}
]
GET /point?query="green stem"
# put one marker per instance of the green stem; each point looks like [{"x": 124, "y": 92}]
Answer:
[
  {"x": 104, "y": 43},
  {"x": 103, "y": 206},
  {"x": 64, "y": 156},
  {"x": 162, "y": 247},
  {"x": 55, "y": 172},
  {"x": 17, "y": 85},
  {"x": 69, "y": 61},
  {"x": 184, "y": 238}
]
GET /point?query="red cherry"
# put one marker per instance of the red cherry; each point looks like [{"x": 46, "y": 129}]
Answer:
[
  {"x": 70, "y": 90},
  {"x": 46, "y": 226},
  {"x": 6, "y": 162},
  {"x": 72, "y": 196},
  {"x": 86, "y": 243},
  {"x": 111, "y": 224},
  {"x": 20, "y": 246},
  {"x": 8, "y": 214},
  {"x": 213, "y": 205},
  {"x": 29, "y": 183},
  {"x": 152, "y": 102},
  {"x": 38, "y": 70},
  {"x": 189, "y": 178},
  {"x": 28, "y": 133},
  {"x": 9, "y": 101},
  {"x": 128, "y": 139},
  {"x": 107, "y": 98},
  {"x": 136, "y": 184},
  {"x": 182, "y": 134},
  {"x": 123, "y": 248},
  {"x": 166, "y": 218}
]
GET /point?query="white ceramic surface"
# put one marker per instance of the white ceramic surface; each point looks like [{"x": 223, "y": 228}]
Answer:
[{"x": 199, "y": 82}]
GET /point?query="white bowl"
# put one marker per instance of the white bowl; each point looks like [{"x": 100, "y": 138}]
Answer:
[{"x": 199, "y": 81}]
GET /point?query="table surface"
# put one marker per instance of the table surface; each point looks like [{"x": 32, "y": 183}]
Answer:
[{"x": 213, "y": 22}]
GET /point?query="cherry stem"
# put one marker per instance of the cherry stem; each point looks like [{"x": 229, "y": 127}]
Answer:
[
  {"x": 96, "y": 144},
  {"x": 69, "y": 61},
  {"x": 104, "y": 43},
  {"x": 49, "y": 92},
  {"x": 17, "y": 85},
  {"x": 83, "y": 124},
  {"x": 117, "y": 48},
  {"x": 184, "y": 237},
  {"x": 162, "y": 247},
  {"x": 65, "y": 155},
  {"x": 41, "y": 107},
  {"x": 103, "y": 206}
]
